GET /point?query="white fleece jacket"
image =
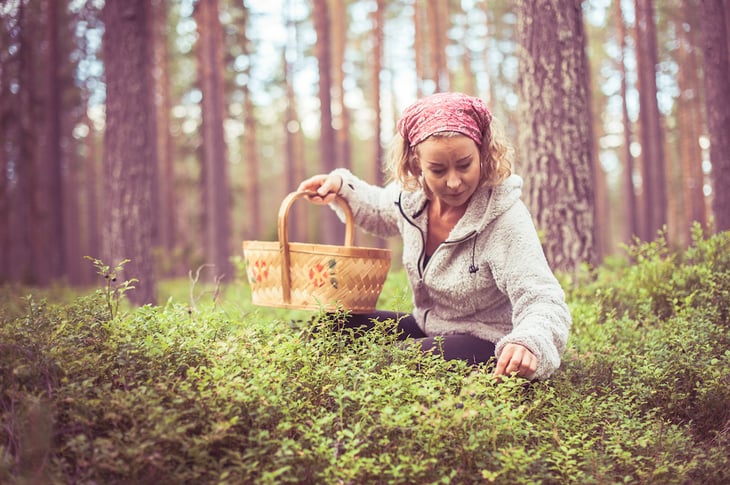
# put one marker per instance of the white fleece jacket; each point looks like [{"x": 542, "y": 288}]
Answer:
[{"x": 489, "y": 278}]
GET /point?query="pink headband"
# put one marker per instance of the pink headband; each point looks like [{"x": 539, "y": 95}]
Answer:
[{"x": 444, "y": 112}]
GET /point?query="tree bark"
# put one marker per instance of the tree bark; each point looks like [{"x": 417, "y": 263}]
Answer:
[
  {"x": 690, "y": 122},
  {"x": 341, "y": 115},
  {"x": 251, "y": 182},
  {"x": 629, "y": 191},
  {"x": 437, "y": 18},
  {"x": 166, "y": 227},
  {"x": 130, "y": 162},
  {"x": 717, "y": 87},
  {"x": 418, "y": 43},
  {"x": 25, "y": 260},
  {"x": 653, "y": 179},
  {"x": 332, "y": 231},
  {"x": 377, "y": 59},
  {"x": 555, "y": 134},
  {"x": 294, "y": 164},
  {"x": 49, "y": 219},
  {"x": 216, "y": 186}
]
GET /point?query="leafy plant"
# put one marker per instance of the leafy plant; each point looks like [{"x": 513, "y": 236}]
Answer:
[
  {"x": 241, "y": 394},
  {"x": 112, "y": 291}
]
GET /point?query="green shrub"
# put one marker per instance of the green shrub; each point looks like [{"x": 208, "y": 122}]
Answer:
[
  {"x": 223, "y": 392},
  {"x": 656, "y": 282}
]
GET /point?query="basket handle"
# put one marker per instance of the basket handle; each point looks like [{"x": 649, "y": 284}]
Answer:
[{"x": 284, "y": 235}]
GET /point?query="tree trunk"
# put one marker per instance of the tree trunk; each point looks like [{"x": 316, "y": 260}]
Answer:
[
  {"x": 467, "y": 77},
  {"x": 73, "y": 256},
  {"x": 166, "y": 191},
  {"x": 341, "y": 115},
  {"x": 377, "y": 60},
  {"x": 6, "y": 113},
  {"x": 251, "y": 182},
  {"x": 49, "y": 219},
  {"x": 489, "y": 93},
  {"x": 294, "y": 166},
  {"x": 653, "y": 178},
  {"x": 8, "y": 150},
  {"x": 216, "y": 186},
  {"x": 437, "y": 12},
  {"x": 25, "y": 262},
  {"x": 555, "y": 135},
  {"x": 690, "y": 122},
  {"x": 332, "y": 231},
  {"x": 92, "y": 191},
  {"x": 418, "y": 43},
  {"x": 324, "y": 59},
  {"x": 717, "y": 88},
  {"x": 130, "y": 156},
  {"x": 629, "y": 193}
]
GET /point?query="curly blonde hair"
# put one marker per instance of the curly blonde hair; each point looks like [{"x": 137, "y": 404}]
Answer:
[{"x": 495, "y": 158}]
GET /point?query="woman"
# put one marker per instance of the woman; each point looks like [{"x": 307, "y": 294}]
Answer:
[{"x": 481, "y": 285}]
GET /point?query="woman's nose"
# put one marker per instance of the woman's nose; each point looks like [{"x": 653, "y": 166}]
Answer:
[{"x": 453, "y": 181}]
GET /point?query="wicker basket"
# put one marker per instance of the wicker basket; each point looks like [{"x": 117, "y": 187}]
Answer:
[{"x": 315, "y": 276}]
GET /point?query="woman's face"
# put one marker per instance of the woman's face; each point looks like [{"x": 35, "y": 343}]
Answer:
[{"x": 450, "y": 167}]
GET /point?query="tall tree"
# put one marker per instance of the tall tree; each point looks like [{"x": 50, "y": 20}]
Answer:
[
  {"x": 418, "y": 48},
  {"x": 653, "y": 173},
  {"x": 555, "y": 135},
  {"x": 715, "y": 42},
  {"x": 49, "y": 224},
  {"x": 629, "y": 192},
  {"x": 250, "y": 139},
  {"x": 90, "y": 154},
  {"x": 332, "y": 230},
  {"x": 595, "y": 41},
  {"x": 341, "y": 114},
  {"x": 377, "y": 66},
  {"x": 216, "y": 186},
  {"x": 467, "y": 76},
  {"x": 8, "y": 112},
  {"x": 130, "y": 157},
  {"x": 690, "y": 120},
  {"x": 24, "y": 265},
  {"x": 165, "y": 237},
  {"x": 324, "y": 59},
  {"x": 294, "y": 151},
  {"x": 437, "y": 22}
]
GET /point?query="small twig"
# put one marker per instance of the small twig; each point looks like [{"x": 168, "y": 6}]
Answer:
[
  {"x": 217, "y": 291},
  {"x": 193, "y": 281}
]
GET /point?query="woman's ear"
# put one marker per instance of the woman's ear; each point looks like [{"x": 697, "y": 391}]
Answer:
[{"x": 415, "y": 166}]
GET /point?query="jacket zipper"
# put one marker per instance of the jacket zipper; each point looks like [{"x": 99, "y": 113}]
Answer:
[{"x": 422, "y": 256}]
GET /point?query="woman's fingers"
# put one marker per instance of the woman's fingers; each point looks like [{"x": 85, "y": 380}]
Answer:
[
  {"x": 325, "y": 186},
  {"x": 312, "y": 184},
  {"x": 516, "y": 359}
]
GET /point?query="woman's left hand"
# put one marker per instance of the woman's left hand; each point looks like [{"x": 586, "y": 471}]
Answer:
[{"x": 517, "y": 359}]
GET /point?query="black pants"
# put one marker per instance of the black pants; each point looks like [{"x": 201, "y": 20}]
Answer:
[{"x": 452, "y": 347}]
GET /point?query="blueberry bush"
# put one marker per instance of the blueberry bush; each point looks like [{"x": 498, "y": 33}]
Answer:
[{"x": 220, "y": 391}]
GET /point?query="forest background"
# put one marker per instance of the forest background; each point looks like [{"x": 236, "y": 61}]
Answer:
[{"x": 167, "y": 132}]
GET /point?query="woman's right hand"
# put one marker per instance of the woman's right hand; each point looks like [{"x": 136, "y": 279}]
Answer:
[{"x": 326, "y": 187}]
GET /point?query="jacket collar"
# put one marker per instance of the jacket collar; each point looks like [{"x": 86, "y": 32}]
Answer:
[{"x": 485, "y": 205}]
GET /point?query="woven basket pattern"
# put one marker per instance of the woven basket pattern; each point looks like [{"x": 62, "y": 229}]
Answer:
[{"x": 320, "y": 276}]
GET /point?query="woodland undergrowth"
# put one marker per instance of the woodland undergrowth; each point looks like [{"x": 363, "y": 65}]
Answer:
[{"x": 216, "y": 390}]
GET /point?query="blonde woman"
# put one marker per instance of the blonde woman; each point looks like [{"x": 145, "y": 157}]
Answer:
[{"x": 482, "y": 288}]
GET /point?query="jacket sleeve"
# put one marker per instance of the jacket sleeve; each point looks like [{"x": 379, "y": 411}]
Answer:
[
  {"x": 374, "y": 208},
  {"x": 540, "y": 316}
]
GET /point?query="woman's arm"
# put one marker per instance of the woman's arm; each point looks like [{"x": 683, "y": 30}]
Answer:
[{"x": 540, "y": 316}]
